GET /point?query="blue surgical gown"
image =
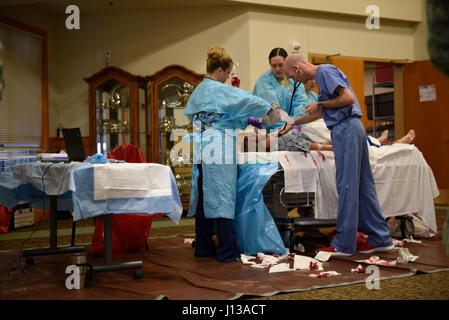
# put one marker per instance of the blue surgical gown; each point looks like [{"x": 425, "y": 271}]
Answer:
[
  {"x": 268, "y": 88},
  {"x": 215, "y": 147}
]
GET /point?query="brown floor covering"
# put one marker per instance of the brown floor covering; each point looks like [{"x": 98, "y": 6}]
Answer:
[
  {"x": 171, "y": 270},
  {"x": 115, "y": 285}
]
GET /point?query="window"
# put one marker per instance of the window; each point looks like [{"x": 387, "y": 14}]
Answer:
[{"x": 22, "y": 103}]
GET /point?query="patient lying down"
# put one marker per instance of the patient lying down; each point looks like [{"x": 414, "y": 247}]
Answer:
[{"x": 296, "y": 140}]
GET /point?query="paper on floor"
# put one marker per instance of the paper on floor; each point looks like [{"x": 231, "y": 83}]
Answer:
[
  {"x": 305, "y": 263},
  {"x": 323, "y": 256},
  {"x": 281, "y": 267},
  {"x": 405, "y": 256}
]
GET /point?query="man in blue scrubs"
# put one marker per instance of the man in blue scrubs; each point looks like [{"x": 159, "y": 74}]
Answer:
[{"x": 358, "y": 206}]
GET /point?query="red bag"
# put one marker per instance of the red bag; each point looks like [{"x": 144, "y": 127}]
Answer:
[
  {"x": 129, "y": 231},
  {"x": 5, "y": 218}
]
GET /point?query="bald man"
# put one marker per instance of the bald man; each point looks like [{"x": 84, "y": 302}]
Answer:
[{"x": 358, "y": 206}]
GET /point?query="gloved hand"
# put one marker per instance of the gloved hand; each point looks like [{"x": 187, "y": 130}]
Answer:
[
  {"x": 296, "y": 126},
  {"x": 255, "y": 122}
]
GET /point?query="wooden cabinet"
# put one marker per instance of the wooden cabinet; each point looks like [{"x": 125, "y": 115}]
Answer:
[
  {"x": 170, "y": 89},
  {"x": 146, "y": 111},
  {"x": 118, "y": 107}
]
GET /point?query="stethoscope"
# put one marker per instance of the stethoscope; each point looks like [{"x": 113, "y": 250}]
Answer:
[{"x": 295, "y": 87}]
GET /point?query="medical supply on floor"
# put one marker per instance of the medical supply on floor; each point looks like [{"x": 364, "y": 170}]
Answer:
[
  {"x": 405, "y": 256},
  {"x": 325, "y": 274},
  {"x": 359, "y": 269}
]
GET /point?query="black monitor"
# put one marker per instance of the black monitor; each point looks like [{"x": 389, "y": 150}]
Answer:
[{"x": 74, "y": 144}]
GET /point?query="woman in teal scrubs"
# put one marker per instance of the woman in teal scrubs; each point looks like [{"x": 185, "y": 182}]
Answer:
[{"x": 276, "y": 88}]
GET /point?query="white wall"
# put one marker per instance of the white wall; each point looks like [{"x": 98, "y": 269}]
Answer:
[
  {"x": 143, "y": 43},
  {"x": 317, "y": 33},
  {"x": 405, "y": 10},
  {"x": 420, "y": 36}
]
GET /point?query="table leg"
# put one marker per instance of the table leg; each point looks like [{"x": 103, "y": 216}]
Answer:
[
  {"x": 108, "y": 265},
  {"x": 53, "y": 237}
]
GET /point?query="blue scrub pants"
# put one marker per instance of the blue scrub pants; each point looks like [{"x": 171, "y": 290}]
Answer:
[
  {"x": 358, "y": 206},
  {"x": 227, "y": 249}
]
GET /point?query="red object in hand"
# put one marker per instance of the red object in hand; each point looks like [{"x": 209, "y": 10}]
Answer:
[{"x": 235, "y": 82}]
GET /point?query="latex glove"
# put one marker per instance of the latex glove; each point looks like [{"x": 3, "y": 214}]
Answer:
[
  {"x": 277, "y": 114},
  {"x": 255, "y": 122},
  {"x": 296, "y": 126}
]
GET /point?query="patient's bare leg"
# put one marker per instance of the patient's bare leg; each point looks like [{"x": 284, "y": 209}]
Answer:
[
  {"x": 408, "y": 138},
  {"x": 321, "y": 147},
  {"x": 383, "y": 136}
]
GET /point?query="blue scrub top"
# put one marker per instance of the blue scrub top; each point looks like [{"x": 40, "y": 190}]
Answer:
[{"x": 328, "y": 78}]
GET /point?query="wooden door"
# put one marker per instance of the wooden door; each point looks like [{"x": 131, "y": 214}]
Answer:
[
  {"x": 429, "y": 119},
  {"x": 354, "y": 69}
]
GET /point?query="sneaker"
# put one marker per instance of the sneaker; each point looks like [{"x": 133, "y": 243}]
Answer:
[
  {"x": 367, "y": 248},
  {"x": 334, "y": 251},
  {"x": 361, "y": 237}
]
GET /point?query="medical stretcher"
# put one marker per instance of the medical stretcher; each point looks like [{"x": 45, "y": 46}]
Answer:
[{"x": 279, "y": 203}]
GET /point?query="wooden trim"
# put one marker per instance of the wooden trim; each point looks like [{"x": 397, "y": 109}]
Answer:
[
  {"x": 113, "y": 73},
  {"x": 44, "y": 76},
  {"x": 45, "y": 117},
  {"x": 321, "y": 58},
  {"x": 175, "y": 68},
  {"x": 399, "y": 104}
]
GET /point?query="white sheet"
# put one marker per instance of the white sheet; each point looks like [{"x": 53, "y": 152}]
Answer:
[
  {"x": 131, "y": 180},
  {"x": 405, "y": 183},
  {"x": 300, "y": 172},
  {"x": 317, "y": 131}
]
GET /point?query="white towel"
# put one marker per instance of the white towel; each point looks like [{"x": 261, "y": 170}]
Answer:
[{"x": 131, "y": 180}]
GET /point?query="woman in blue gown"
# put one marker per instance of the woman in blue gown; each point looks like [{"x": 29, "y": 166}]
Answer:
[
  {"x": 218, "y": 111},
  {"x": 276, "y": 88}
]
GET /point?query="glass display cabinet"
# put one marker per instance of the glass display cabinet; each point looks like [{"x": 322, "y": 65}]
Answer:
[
  {"x": 170, "y": 89},
  {"x": 117, "y": 110}
]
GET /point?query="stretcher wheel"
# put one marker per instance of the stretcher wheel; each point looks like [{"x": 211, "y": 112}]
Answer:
[
  {"x": 289, "y": 239},
  {"x": 292, "y": 241},
  {"x": 407, "y": 227},
  {"x": 138, "y": 274}
]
